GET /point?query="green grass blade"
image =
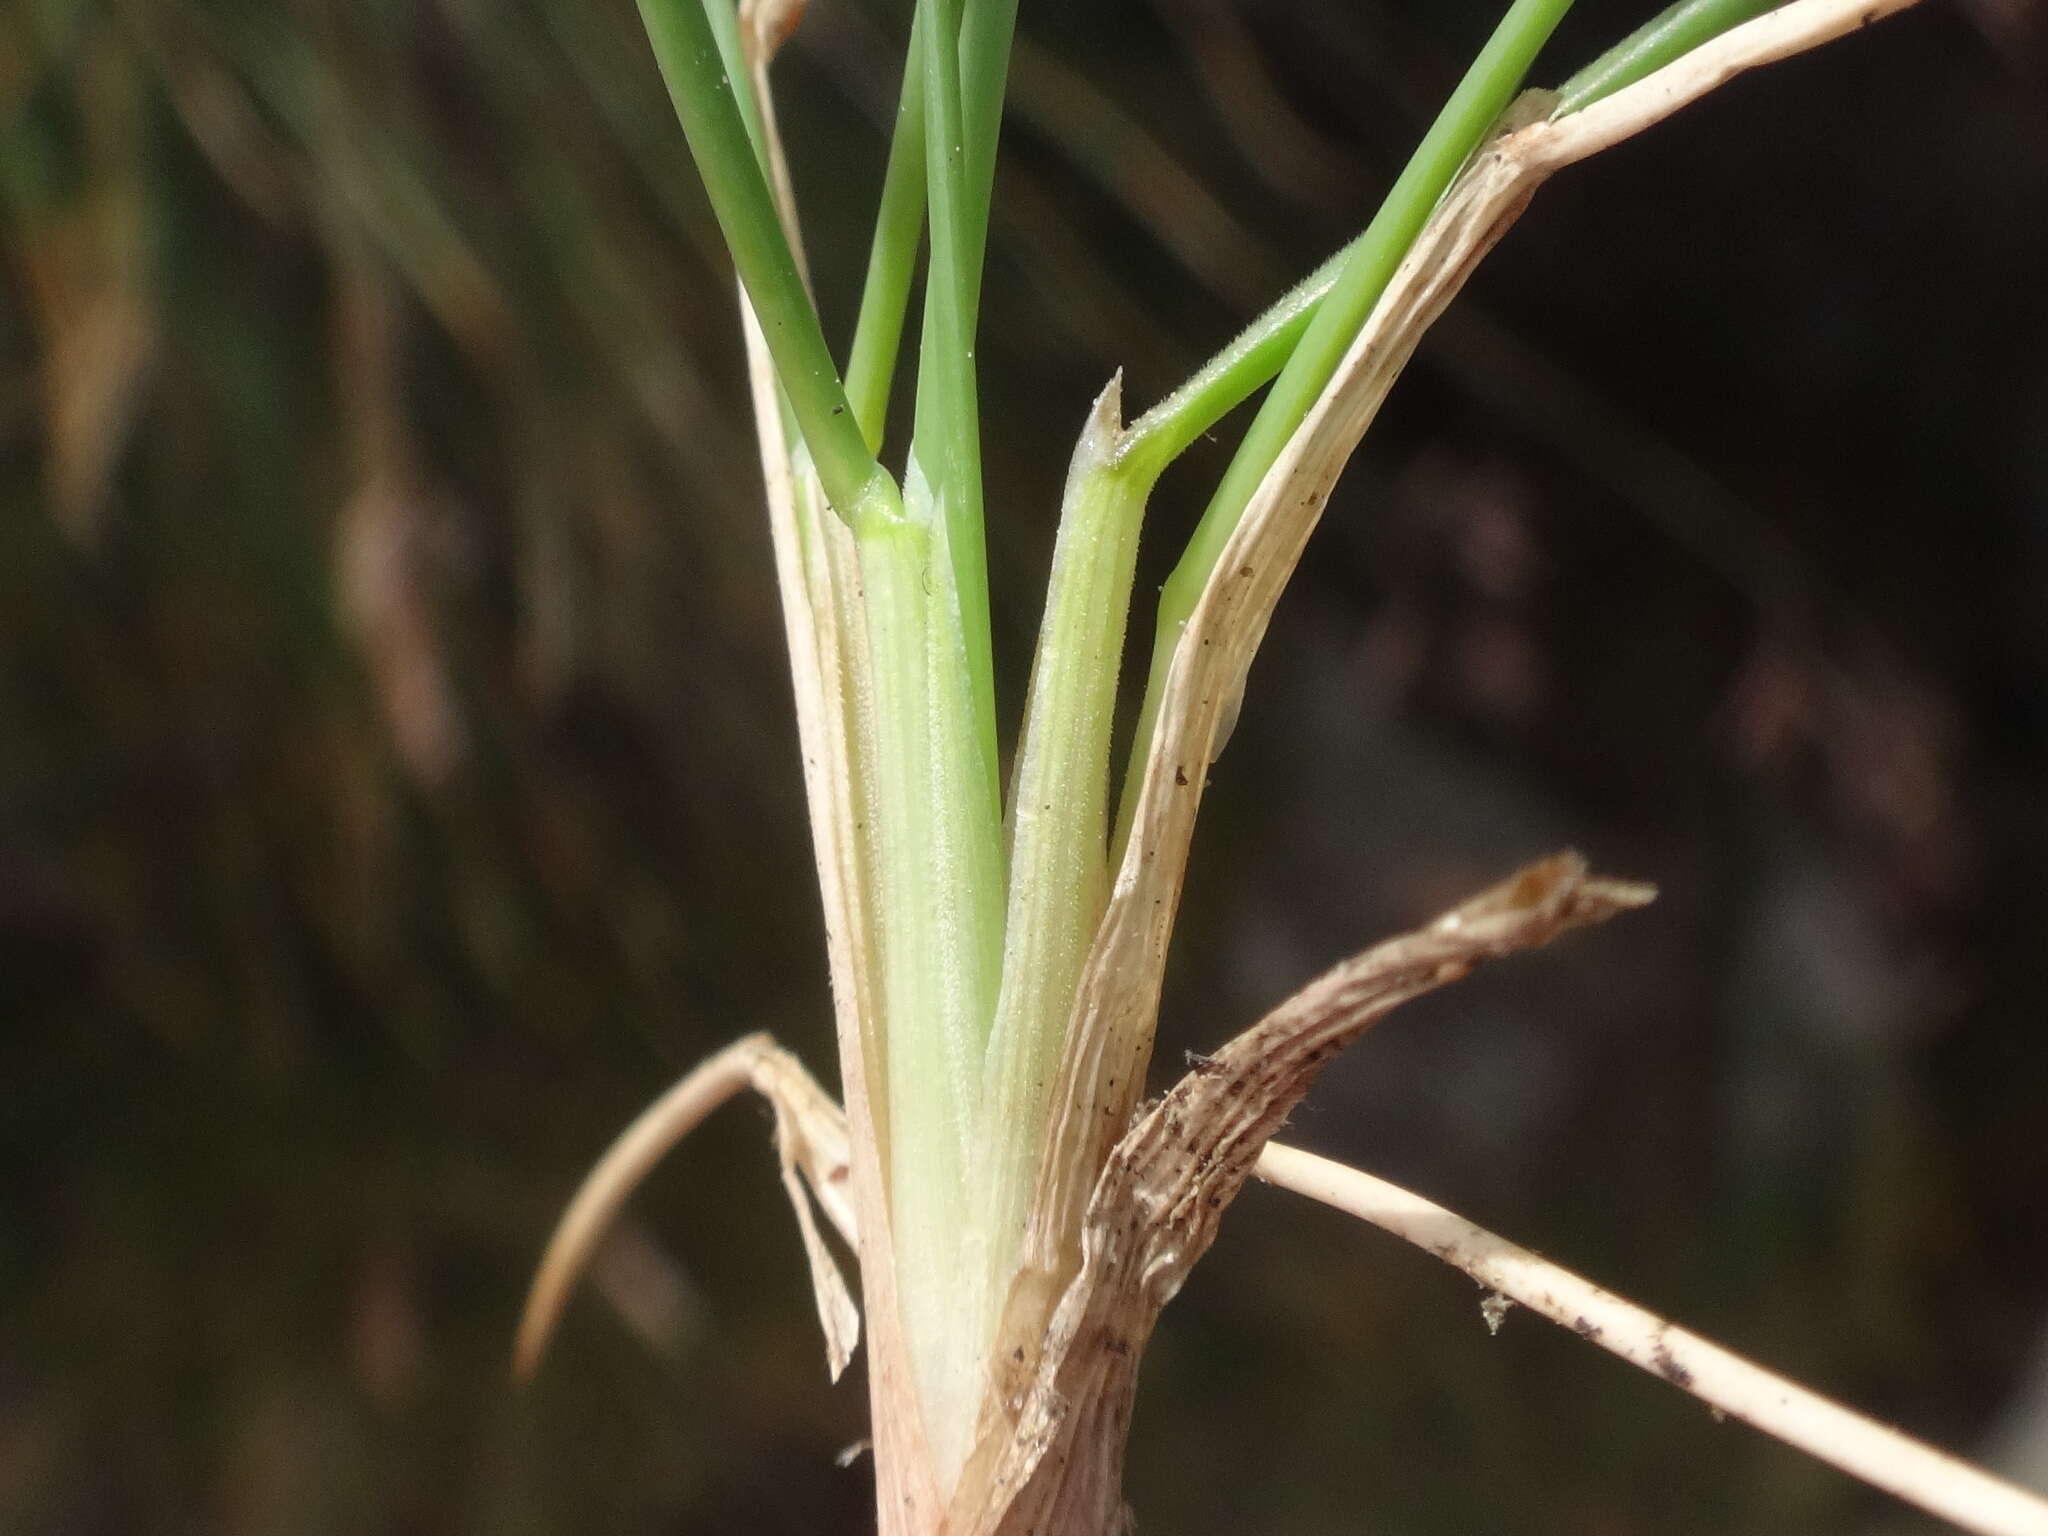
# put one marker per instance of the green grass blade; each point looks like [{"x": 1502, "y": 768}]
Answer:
[
  {"x": 892, "y": 260},
  {"x": 1251, "y": 361},
  {"x": 946, "y": 439},
  {"x": 1481, "y": 96},
  {"x": 1232, "y": 376},
  {"x": 986, "y": 30},
  {"x": 708, "y": 97},
  {"x": 1484, "y": 93},
  {"x": 1667, "y": 37}
]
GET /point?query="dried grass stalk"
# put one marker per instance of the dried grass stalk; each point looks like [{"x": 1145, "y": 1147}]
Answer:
[
  {"x": 1155, "y": 1208},
  {"x": 1736, "y": 1388}
]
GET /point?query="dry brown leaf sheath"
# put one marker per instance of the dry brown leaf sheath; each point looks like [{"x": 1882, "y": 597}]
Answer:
[
  {"x": 1155, "y": 1208},
  {"x": 1052, "y": 1456}
]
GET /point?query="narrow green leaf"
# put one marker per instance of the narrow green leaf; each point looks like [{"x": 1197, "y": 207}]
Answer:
[
  {"x": 946, "y": 438},
  {"x": 708, "y": 96},
  {"x": 1481, "y": 96},
  {"x": 1660, "y": 41},
  {"x": 892, "y": 259}
]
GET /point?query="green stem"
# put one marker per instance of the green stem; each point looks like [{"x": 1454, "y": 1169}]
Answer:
[
  {"x": 892, "y": 261},
  {"x": 1231, "y": 377},
  {"x": 708, "y": 96},
  {"x": 986, "y": 30},
  {"x": 1481, "y": 96},
  {"x": 946, "y": 438},
  {"x": 1489, "y": 85},
  {"x": 725, "y": 29},
  {"x": 1668, "y": 36}
]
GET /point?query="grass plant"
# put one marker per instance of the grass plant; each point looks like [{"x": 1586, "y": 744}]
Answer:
[{"x": 996, "y": 953}]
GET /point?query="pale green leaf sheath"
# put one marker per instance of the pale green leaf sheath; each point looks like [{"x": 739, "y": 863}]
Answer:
[
  {"x": 938, "y": 884},
  {"x": 938, "y": 809},
  {"x": 1059, "y": 826}
]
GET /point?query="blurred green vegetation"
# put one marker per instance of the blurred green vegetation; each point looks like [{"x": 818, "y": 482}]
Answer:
[{"x": 397, "y": 786}]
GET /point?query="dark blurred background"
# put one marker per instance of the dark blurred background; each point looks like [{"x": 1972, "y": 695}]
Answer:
[{"x": 398, "y": 787}]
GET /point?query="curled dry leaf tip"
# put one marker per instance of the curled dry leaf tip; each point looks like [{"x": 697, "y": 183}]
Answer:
[{"x": 810, "y": 1144}]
